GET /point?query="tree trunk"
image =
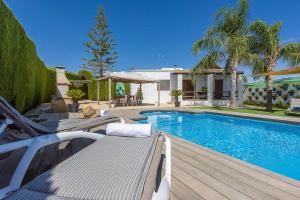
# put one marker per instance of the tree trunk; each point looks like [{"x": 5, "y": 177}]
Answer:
[
  {"x": 269, "y": 83},
  {"x": 233, "y": 68}
]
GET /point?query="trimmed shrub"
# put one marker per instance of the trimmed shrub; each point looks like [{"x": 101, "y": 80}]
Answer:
[
  {"x": 25, "y": 81},
  {"x": 86, "y": 75}
]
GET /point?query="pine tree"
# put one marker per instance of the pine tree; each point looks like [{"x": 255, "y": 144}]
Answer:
[{"x": 100, "y": 47}]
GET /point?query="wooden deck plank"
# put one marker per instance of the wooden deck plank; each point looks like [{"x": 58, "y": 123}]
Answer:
[
  {"x": 183, "y": 192},
  {"x": 197, "y": 186},
  {"x": 242, "y": 182}
]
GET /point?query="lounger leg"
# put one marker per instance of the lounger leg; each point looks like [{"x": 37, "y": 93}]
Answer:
[{"x": 165, "y": 185}]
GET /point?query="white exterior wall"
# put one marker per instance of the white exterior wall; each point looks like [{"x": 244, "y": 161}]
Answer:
[
  {"x": 201, "y": 80},
  {"x": 179, "y": 84},
  {"x": 149, "y": 90}
]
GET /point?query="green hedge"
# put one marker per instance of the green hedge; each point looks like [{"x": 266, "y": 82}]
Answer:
[
  {"x": 92, "y": 90},
  {"x": 24, "y": 79}
]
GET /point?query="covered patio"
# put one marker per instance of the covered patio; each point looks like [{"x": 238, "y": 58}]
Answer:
[
  {"x": 211, "y": 87},
  {"x": 126, "y": 77}
]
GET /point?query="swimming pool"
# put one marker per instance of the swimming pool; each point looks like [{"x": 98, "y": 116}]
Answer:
[{"x": 271, "y": 145}]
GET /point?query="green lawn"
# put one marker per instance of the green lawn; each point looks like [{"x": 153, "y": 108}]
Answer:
[{"x": 275, "y": 112}]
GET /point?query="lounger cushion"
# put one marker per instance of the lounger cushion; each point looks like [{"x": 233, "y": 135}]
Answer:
[{"x": 111, "y": 168}]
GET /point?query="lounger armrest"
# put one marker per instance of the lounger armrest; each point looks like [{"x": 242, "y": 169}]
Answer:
[
  {"x": 33, "y": 145},
  {"x": 164, "y": 189}
]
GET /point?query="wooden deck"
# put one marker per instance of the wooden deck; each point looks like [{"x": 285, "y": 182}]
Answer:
[{"x": 201, "y": 173}]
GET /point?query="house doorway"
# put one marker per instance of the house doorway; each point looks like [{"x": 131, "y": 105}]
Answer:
[
  {"x": 218, "y": 89},
  {"x": 188, "y": 89}
]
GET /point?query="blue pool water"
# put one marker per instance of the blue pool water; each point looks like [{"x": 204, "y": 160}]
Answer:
[{"x": 274, "y": 146}]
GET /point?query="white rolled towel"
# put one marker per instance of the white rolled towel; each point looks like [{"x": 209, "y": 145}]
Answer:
[{"x": 129, "y": 130}]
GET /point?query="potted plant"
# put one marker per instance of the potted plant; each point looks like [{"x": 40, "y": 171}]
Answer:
[
  {"x": 203, "y": 90},
  {"x": 285, "y": 97},
  {"x": 279, "y": 92},
  {"x": 176, "y": 94},
  {"x": 297, "y": 86},
  {"x": 75, "y": 94},
  {"x": 291, "y": 92}
]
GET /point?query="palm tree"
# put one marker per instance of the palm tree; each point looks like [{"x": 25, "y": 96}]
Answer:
[
  {"x": 265, "y": 43},
  {"x": 227, "y": 41}
]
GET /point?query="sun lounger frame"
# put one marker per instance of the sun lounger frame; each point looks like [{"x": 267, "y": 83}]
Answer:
[{"x": 35, "y": 143}]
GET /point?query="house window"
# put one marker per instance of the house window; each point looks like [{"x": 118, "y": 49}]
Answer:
[{"x": 164, "y": 84}]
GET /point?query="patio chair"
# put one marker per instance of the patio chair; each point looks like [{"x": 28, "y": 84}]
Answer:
[
  {"x": 133, "y": 101},
  {"x": 110, "y": 167},
  {"x": 294, "y": 108},
  {"x": 50, "y": 127},
  {"x": 124, "y": 101}
]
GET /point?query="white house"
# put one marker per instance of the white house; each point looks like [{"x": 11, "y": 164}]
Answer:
[{"x": 215, "y": 81}]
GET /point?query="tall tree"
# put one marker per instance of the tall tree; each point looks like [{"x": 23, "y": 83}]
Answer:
[
  {"x": 227, "y": 41},
  {"x": 100, "y": 47},
  {"x": 265, "y": 42}
]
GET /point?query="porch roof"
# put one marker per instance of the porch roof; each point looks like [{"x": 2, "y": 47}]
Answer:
[
  {"x": 295, "y": 70},
  {"x": 129, "y": 77},
  {"x": 204, "y": 71}
]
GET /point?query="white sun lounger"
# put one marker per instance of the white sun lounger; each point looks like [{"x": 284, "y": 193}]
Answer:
[{"x": 111, "y": 167}]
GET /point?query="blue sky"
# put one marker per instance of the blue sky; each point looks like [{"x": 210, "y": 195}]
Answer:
[{"x": 148, "y": 33}]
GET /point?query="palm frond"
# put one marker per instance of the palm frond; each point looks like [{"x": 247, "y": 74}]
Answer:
[
  {"x": 210, "y": 61},
  {"x": 259, "y": 27},
  {"x": 291, "y": 53},
  {"x": 206, "y": 43}
]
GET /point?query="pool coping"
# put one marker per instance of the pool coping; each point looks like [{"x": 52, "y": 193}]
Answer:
[{"x": 288, "y": 120}]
